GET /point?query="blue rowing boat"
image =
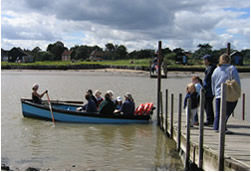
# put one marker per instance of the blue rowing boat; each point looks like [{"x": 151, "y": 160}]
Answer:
[{"x": 65, "y": 111}]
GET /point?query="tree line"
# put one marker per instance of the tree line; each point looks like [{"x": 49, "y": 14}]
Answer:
[{"x": 116, "y": 52}]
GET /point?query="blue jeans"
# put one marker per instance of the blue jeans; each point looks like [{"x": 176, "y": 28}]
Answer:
[{"x": 230, "y": 108}]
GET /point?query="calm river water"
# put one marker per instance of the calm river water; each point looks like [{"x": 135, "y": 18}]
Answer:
[{"x": 35, "y": 143}]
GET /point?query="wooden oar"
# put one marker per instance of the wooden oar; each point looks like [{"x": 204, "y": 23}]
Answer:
[{"x": 49, "y": 102}]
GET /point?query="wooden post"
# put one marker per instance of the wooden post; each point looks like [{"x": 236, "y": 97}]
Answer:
[
  {"x": 223, "y": 110},
  {"x": 159, "y": 81},
  {"x": 171, "y": 128},
  {"x": 166, "y": 129},
  {"x": 201, "y": 134},
  {"x": 228, "y": 48},
  {"x": 179, "y": 122},
  {"x": 187, "y": 156},
  {"x": 161, "y": 111},
  {"x": 243, "y": 106}
]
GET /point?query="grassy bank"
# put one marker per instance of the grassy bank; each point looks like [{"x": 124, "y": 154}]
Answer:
[{"x": 139, "y": 64}]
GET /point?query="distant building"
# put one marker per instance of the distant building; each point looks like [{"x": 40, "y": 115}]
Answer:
[
  {"x": 97, "y": 56},
  {"x": 18, "y": 55},
  {"x": 4, "y": 55},
  {"x": 236, "y": 58},
  {"x": 182, "y": 58},
  {"x": 66, "y": 55}
]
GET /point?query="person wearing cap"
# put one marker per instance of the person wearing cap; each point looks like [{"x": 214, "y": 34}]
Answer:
[
  {"x": 128, "y": 107},
  {"x": 210, "y": 66},
  {"x": 36, "y": 97},
  {"x": 106, "y": 107},
  {"x": 118, "y": 102},
  {"x": 98, "y": 97}
]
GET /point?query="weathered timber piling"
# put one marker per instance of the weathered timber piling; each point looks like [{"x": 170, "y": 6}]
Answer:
[
  {"x": 171, "y": 125},
  {"x": 179, "y": 122},
  {"x": 222, "y": 128},
  {"x": 161, "y": 111},
  {"x": 159, "y": 81},
  {"x": 166, "y": 111},
  {"x": 201, "y": 134},
  {"x": 187, "y": 156},
  {"x": 243, "y": 106}
]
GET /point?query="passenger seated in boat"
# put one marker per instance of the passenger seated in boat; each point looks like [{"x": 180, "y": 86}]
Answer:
[
  {"x": 36, "y": 97},
  {"x": 107, "y": 106},
  {"x": 90, "y": 106},
  {"x": 98, "y": 97},
  {"x": 111, "y": 95},
  {"x": 118, "y": 103},
  {"x": 92, "y": 96},
  {"x": 128, "y": 106}
]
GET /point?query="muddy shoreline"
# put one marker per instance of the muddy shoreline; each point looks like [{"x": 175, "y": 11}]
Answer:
[{"x": 98, "y": 66}]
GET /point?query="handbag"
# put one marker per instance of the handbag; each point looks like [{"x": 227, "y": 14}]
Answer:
[{"x": 233, "y": 88}]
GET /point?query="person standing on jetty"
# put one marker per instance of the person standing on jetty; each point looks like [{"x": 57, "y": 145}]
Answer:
[
  {"x": 198, "y": 85},
  {"x": 220, "y": 75},
  {"x": 191, "y": 94},
  {"x": 210, "y": 67},
  {"x": 36, "y": 97}
]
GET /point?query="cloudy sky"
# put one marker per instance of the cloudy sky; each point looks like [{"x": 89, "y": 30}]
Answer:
[{"x": 137, "y": 24}]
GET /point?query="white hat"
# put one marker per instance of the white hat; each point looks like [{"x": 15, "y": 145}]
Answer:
[
  {"x": 98, "y": 92},
  {"x": 128, "y": 95},
  {"x": 119, "y": 99},
  {"x": 35, "y": 86},
  {"x": 110, "y": 92}
]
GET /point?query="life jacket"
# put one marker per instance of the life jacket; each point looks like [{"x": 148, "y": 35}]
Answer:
[
  {"x": 148, "y": 109},
  {"x": 144, "y": 109},
  {"x": 139, "y": 110}
]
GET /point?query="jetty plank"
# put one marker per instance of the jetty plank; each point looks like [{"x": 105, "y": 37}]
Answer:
[{"x": 237, "y": 145}]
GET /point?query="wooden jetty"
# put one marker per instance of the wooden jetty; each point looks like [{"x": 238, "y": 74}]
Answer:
[
  {"x": 201, "y": 146},
  {"x": 237, "y": 145}
]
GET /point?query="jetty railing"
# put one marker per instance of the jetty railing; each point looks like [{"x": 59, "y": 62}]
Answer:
[{"x": 167, "y": 125}]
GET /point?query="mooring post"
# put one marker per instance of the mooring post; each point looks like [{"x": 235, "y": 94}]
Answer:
[
  {"x": 161, "y": 111},
  {"x": 166, "y": 121},
  {"x": 201, "y": 135},
  {"x": 179, "y": 122},
  {"x": 243, "y": 106},
  {"x": 223, "y": 110},
  {"x": 188, "y": 112},
  {"x": 171, "y": 129},
  {"x": 159, "y": 81},
  {"x": 228, "y": 48}
]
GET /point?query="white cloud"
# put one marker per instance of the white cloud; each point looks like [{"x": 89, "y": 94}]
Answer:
[{"x": 137, "y": 24}]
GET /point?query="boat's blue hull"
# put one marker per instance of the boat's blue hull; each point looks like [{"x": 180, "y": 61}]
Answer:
[{"x": 68, "y": 113}]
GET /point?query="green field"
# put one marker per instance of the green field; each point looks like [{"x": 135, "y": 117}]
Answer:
[{"x": 131, "y": 62}]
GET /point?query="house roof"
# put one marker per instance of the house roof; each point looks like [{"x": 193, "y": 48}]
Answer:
[
  {"x": 235, "y": 53},
  {"x": 4, "y": 52},
  {"x": 15, "y": 52},
  {"x": 66, "y": 53}
]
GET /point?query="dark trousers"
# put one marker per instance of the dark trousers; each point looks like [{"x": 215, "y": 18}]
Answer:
[
  {"x": 209, "y": 109},
  {"x": 230, "y": 108}
]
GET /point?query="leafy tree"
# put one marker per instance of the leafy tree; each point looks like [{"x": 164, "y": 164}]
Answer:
[
  {"x": 203, "y": 49},
  {"x": 109, "y": 47},
  {"x": 146, "y": 53},
  {"x": 56, "y": 49},
  {"x": 121, "y": 52},
  {"x": 83, "y": 52},
  {"x": 44, "y": 56}
]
